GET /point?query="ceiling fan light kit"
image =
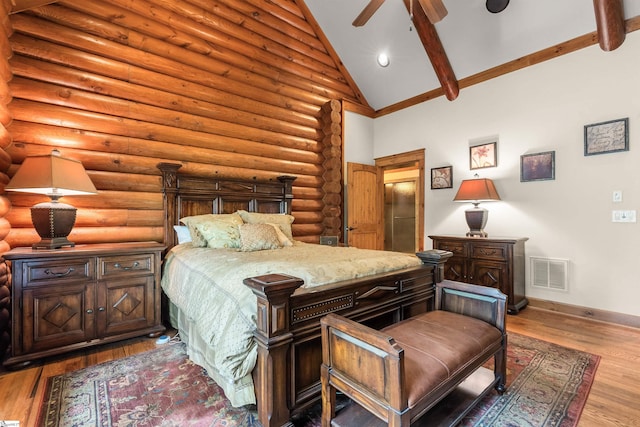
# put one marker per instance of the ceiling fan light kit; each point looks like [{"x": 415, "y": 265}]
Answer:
[{"x": 497, "y": 6}]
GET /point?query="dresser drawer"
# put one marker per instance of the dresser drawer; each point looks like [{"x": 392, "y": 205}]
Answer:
[
  {"x": 37, "y": 273},
  {"x": 490, "y": 251},
  {"x": 456, "y": 247},
  {"x": 126, "y": 265}
]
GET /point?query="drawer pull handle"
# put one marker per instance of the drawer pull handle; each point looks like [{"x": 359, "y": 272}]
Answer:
[
  {"x": 66, "y": 273},
  {"x": 101, "y": 309},
  {"x": 134, "y": 265},
  {"x": 89, "y": 311}
]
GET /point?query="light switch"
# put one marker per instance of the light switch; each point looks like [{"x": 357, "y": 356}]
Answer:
[
  {"x": 623, "y": 216},
  {"x": 617, "y": 196}
]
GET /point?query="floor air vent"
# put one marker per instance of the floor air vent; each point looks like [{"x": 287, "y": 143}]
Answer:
[{"x": 549, "y": 273}]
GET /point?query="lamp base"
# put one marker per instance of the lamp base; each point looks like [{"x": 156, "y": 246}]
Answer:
[
  {"x": 476, "y": 220},
  {"x": 53, "y": 222},
  {"x": 54, "y": 243}
]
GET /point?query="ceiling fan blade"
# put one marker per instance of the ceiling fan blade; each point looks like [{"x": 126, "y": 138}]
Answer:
[
  {"x": 434, "y": 9},
  {"x": 367, "y": 13}
]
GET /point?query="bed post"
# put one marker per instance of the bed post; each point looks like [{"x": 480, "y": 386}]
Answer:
[
  {"x": 437, "y": 258},
  {"x": 169, "y": 192},
  {"x": 273, "y": 372},
  {"x": 287, "y": 181}
]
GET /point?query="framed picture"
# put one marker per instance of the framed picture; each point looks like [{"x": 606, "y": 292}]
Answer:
[
  {"x": 483, "y": 156},
  {"x": 606, "y": 137},
  {"x": 442, "y": 177},
  {"x": 538, "y": 166}
]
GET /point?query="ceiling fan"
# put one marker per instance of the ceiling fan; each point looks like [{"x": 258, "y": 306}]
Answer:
[{"x": 434, "y": 9}]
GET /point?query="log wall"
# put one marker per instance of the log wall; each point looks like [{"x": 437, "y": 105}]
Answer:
[
  {"x": 226, "y": 87},
  {"x": 5, "y": 162}
]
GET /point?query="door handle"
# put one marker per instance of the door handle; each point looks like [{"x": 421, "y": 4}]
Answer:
[{"x": 351, "y": 228}]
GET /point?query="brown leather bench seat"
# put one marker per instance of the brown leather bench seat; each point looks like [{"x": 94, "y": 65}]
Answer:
[
  {"x": 398, "y": 375},
  {"x": 438, "y": 346}
]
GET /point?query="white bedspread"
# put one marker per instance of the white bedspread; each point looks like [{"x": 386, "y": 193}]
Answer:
[{"x": 206, "y": 284}]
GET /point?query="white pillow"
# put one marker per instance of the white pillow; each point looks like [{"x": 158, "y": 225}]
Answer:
[{"x": 182, "y": 233}]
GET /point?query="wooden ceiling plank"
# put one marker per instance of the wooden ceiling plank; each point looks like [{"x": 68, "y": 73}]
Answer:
[
  {"x": 610, "y": 23},
  {"x": 433, "y": 46}
]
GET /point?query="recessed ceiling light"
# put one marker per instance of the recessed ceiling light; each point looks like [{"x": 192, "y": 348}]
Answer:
[{"x": 383, "y": 60}]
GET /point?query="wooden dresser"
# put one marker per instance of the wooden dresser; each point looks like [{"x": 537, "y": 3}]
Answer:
[
  {"x": 70, "y": 298},
  {"x": 493, "y": 262}
]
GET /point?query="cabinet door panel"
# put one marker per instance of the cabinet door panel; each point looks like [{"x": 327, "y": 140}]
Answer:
[
  {"x": 488, "y": 274},
  {"x": 57, "y": 316},
  {"x": 455, "y": 269},
  {"x": 125, "y": 305}
]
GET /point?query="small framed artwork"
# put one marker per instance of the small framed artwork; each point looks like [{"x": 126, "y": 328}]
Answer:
[
  {"x": 483, "y": 156},
  {"x": 442, "y": 177},
  {"x": 538, "y": 166},
  {"x": 606, "y": 137}
]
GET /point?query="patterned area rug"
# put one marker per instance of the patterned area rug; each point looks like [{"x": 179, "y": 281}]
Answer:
[{"x": 547, "y": 386}]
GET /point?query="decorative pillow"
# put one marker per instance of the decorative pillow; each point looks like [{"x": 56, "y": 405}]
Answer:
[
  {"x": 281, "y": 220},
  {"x": 284, "y": 240},
  {"x": 258, "y": 237},
  {"x": 182, "y": 233},
  {"x": 217, "y": 230}
]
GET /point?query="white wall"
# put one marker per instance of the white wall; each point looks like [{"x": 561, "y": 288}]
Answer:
[
  {"x": 358, "y": 137},
  {"x": 541, "y": 108}
]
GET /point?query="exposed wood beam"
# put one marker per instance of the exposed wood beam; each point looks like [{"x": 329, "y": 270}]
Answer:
[
  {"x": 367, "y": 13},
  {"x": 21, "y": 5},
  {"x": 433, "y": 46},
  {"x": 610, "y": 23},
  {"x": 573, "y": 45}
]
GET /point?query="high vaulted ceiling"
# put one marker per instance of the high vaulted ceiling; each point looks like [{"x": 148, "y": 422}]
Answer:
[{"x": 474, "y": 40}]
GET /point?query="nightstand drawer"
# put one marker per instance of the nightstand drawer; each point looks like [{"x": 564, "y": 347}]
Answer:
[
  {"x": 57, "y": 271},
  {"x": 125, "y": 265},
  {"x": 489, "y": 251}
]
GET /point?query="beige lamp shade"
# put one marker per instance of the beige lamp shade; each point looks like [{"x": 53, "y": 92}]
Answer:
[
  {"x": 56, "y": 177},
  {"x": 52, "y": 175},
  {"x": 476, "y": 191}
]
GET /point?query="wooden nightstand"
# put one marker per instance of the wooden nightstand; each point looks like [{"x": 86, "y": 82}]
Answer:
[
  {"x": 493, "y": 262},
  {"x": 70, "y": 298}
]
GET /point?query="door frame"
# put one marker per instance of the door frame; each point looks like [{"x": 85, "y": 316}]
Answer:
[{"x": 410, "y": 159}]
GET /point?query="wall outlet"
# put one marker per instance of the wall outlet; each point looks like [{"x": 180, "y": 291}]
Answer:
[{"x": 623, "y": 216}]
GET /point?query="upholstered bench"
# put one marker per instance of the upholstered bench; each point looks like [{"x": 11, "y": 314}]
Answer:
[{"x": 398, "y": 374}]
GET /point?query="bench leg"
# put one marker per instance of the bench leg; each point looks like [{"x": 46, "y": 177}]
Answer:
[
  {"x": 328, "y": 397},
  {"x": 500, "y": 368}
]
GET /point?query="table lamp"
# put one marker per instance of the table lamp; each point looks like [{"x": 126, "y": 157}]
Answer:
[
  {"x": 56, "y": 177},
  {"x": 476, "y": 190}
]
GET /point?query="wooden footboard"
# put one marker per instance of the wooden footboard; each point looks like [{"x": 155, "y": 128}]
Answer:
[{"x": 287, "y": 372}]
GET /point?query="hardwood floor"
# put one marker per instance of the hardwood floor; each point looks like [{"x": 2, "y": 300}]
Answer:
[{"x": 613, "y": 401}]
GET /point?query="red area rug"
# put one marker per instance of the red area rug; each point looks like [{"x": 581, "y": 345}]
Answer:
[{"x": 547, "y": 386}]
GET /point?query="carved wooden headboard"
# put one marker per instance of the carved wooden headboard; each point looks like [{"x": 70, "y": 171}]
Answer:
[{"x": 186, "y": 195}]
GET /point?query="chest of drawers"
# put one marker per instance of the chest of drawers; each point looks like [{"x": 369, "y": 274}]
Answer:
[
  {"x": 492, "y": 262},
  {"x": 70, "y": 298}
]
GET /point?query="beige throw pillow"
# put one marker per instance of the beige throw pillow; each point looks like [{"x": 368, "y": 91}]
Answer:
[{"x": 258, "y": 237}]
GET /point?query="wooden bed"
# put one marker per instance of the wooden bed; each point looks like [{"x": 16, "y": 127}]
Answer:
[{"x": 287, "y": 372}]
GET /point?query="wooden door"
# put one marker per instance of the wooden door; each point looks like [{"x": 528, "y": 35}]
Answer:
[
  {"x": 57, "y": 315},
  {"x": 365, "y": 206}
]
